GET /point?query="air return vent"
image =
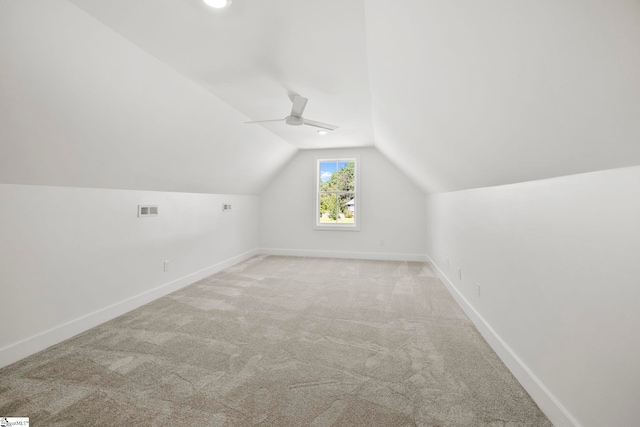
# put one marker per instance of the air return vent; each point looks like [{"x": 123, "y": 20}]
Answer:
[{"x": 147, "y": 210}]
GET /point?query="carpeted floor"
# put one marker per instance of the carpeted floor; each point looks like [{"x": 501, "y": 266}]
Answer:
[{"x": 279, "y": 341}]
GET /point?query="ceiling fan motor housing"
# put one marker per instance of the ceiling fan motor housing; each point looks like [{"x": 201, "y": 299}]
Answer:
[{"x": 294, "y": 121}]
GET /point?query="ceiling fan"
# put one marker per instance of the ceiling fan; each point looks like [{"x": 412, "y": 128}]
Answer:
[{"x": 296, "y": 119}]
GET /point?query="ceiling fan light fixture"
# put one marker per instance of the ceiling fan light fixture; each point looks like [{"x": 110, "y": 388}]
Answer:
[{"x": 217, "y": 4}]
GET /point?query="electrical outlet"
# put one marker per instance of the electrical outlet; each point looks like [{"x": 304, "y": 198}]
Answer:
[
  {"x": 166, "y": 266},
  {"x": 478, "y": 286},
  {"x": 381, "y": 242}
]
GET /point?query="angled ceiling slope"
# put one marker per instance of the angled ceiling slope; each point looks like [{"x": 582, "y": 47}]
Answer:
[
  {"x": 254, "y": 54},
  {"x": 457, "y": 94},
  {"x": 81, "y": 106},
  {"x": 472, "y": 94}
]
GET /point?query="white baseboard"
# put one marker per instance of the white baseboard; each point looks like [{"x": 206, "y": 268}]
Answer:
[
  {"x": 381, "y": 256},
  {"x": 546, "y": 401},
  {"x": 21, "y": 349}
]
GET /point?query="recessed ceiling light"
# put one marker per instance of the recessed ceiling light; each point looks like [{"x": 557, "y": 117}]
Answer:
[
  {"x": 322, "y": 132},
  {"x": 218, "y": 4}
]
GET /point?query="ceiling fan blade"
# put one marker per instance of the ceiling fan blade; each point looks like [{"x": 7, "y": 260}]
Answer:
[
  {"x": 265, "y": 121},
  {"x": 299, "y": 103},
  {"x": 320, "y": 125}
]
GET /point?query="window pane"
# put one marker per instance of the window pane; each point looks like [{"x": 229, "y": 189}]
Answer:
[
  {"x": 347, "y": 208},
  {"x": 337, "y": 176},
  {"x": 328, "y": 208},
  {"x": 326, "y": 172},
  {"x": 344, "y": 177}
]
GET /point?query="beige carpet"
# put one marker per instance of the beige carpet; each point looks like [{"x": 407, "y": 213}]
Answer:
[{"x": 279, "y": 341}]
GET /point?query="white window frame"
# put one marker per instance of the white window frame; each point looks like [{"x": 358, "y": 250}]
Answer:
[{"x": 317, "y": 225}]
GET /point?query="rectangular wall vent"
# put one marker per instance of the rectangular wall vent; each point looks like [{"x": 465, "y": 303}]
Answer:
[
  {"x": 226, "y": 207},
  {"x": 147, "y": 210}
]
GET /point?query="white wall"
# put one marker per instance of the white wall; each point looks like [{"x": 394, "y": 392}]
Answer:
[
  {"x": 72, "y": 258},
  {"x": 558, "y": 261},
  {"x": 83, "y": 111},
  {"x": 391, "y": 209}
]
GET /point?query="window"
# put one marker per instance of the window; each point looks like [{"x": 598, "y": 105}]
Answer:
[{"x": 336, "y": 188}]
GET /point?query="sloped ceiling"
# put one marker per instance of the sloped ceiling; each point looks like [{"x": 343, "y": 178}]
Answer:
[
  {"x": 479, "y": 93},
  {"x": 81, "y": 106},
  {"x": 255, "y": 53},
  {"x": 459, "y": 94}
]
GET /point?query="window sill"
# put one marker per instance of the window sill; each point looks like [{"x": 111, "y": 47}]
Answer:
[{"x": 331, "y": 227}]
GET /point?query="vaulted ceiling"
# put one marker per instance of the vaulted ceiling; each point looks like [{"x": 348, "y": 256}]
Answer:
[{"x": 153, "y": 94}]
